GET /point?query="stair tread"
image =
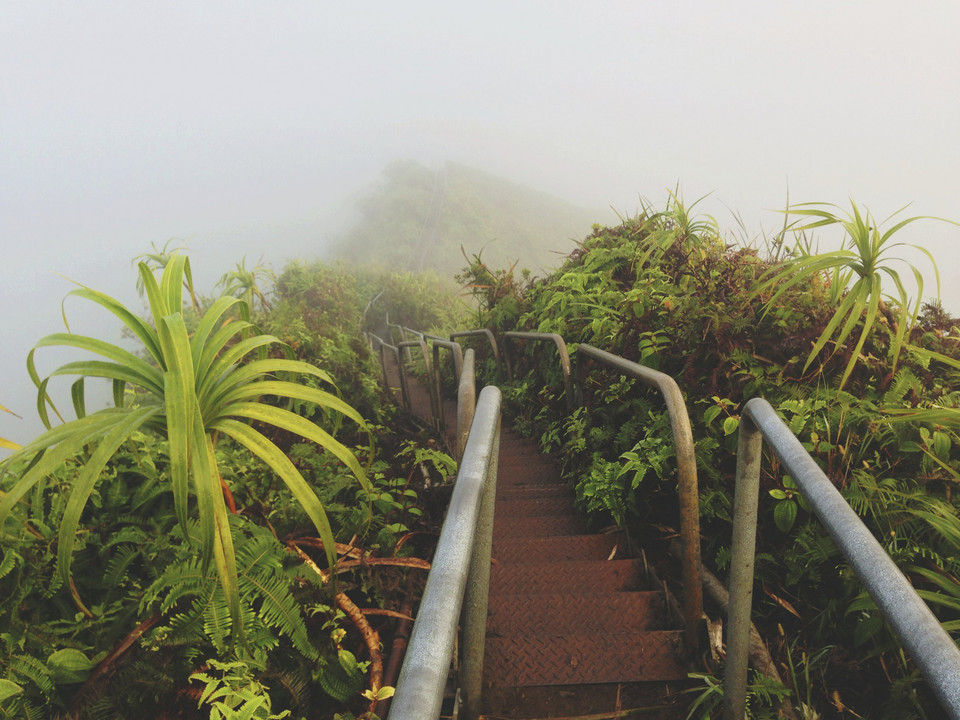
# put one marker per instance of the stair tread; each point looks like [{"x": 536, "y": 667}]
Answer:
[
  {"x": 560, "y": 548},
  {"x": 558, "y": 614},
  {"x": 576, "y": 576},
  {"x": 584, "y": 659}
]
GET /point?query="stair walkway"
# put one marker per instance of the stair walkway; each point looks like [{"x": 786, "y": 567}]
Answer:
[{"x": 571, "y": 631}]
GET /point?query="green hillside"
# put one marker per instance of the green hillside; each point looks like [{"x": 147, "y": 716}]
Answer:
[{"x": 419, "y": 217}]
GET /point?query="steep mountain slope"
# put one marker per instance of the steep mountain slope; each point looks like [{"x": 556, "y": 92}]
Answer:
[{"x": 419, "y": 217}]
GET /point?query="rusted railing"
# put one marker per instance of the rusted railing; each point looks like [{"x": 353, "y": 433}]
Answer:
[
  {"x": 564, "y": 357},
  {"x": 466, "y": 401},
  {"x": 687, "y": 488},
  {"x": 483, "y": 332},
  {"x": 456, "y": 355}
]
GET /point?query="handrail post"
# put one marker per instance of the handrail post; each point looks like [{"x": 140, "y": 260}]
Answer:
[
  {"x": 466, "y": 401},
  {"x": 687, "y": 486},
  {"x": 476, "y": 599},
  {"x": 913, "y": 623},
  {"x": 456, "y": 355},
  {"x": 434, "y": 400},
  {"x": 419, "y": 689},
  {"x": 561, "y": 351},
  {"x": 484, "y": 332},
  {"x": 743, "y": 550}
]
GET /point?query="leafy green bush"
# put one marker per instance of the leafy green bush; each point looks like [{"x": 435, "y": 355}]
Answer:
[{"x": 664, "y": 289}]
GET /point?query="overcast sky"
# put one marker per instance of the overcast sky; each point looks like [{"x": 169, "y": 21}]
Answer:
[{"x": 242, "y": 128}]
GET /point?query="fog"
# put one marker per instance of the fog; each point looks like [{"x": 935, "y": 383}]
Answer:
[{"x": 240, "y": 128}]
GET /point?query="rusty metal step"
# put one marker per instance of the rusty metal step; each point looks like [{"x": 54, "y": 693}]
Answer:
[
  {"x": 583, "y": 659},
  {"x": 646, "y": 701},
  {"x": 542, "y": 505},
  {"x": 569, "y": 577},
  {"x": 569, "y": 614},
  {"x": 526, "y": 473},
  {"x": 556, "y": 549},
  {"x": 536, "y": 491},
  {"x": 543, "y": 526}
]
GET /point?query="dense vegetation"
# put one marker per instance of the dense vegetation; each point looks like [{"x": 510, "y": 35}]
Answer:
[
  {"x": 867, "y": 381},
  {"x": 419, "y": 217},
  {"x": 229, "y": 539},
  {"x": 235, "y": 536}
]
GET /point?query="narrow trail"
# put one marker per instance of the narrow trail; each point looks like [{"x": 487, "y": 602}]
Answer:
[{"x": 572, "y": 629}]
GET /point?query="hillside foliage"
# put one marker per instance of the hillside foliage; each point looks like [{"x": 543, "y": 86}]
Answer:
[
  {"x": 880, "y": 416},
  {"x": 420, "y": 218},
  {"x": 259, "y": 417}
]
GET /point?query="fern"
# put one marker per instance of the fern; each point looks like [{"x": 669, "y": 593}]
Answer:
[
  {"x": 26, "y": 668},
  {"x": 10, "y": 560},
  {"x": 903, "y": 382},
  {"x": 268, "y": 608}
]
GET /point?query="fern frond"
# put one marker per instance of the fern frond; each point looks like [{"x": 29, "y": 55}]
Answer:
[{"x": 9, "y": 562}]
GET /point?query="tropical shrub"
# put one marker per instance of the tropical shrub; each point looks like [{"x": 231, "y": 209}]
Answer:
[
  {"x": 108, "y": 602},
  {"x": 863, "y": 260},
  {"x": 197, "y": 389},
  {"x": 665, "y": 289}
]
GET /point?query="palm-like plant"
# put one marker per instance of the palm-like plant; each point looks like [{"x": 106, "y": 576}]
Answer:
[
  {"x": 191, "y": 391},
  {"x": 863, "y": 260},
  {"x": 4, "y": 443},
  {"x": 246, "y": 284}
]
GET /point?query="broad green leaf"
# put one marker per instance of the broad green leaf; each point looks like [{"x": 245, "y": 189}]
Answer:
[
  {"x": 69, "y": 666},
  {"x": 784, "y": 515},
  {"x": 8, "y": 689}
]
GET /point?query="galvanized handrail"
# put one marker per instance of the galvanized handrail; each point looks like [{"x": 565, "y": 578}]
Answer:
[
  {"x": 917, "y": 628},
  {"x": 687, "y": 487},
  {"x": 466, "y": 401},
  {"x": 456, "y": 354},
  {"x": 434, "y": 397},
  {"x": 561, "y": 350},
  {"x": 459, "y": 577},
  {"x": 383, "y": 345},
  {"x": 488, "y": 334}
]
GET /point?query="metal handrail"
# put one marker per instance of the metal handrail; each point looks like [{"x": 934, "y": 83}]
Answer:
[
  {"x": 917, "y": 628},
  {"x": 456, "y": 354},
  {"x": 383, "y": 345},
  {"x": 483, "y": 332},
  {"x": 561, "y": 350},
  {"x": 459, "y": 577},
  {"x": 466, "y": 401},
  {"x": 687, "y": 489},
  {"x": 434, "y": 398}
]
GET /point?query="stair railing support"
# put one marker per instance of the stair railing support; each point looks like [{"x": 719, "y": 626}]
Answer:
[
  {"x": 483, "y": 332},
  {"x": 461, "y": 560},
  {"x": 687, "y": 487},
  {"x": 914, "y": 624},
  {"x": 564, "y": 358},
  {"x": 466, "y": 401}
]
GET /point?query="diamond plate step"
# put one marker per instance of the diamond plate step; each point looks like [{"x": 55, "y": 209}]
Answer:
[
  {"x": 563, "y": 614},
  {"x": 568, "y": 577},
  {"x": 535, "y": 491},
  {"x": 548, "y": 505},
  {"x": 544, "y": 526},
  {"x": 659, "y": 701},
  {"x": 555, "y": 549},
  {"x": 583, "y": 659}
]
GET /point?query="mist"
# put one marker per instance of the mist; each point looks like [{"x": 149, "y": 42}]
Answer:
[{"x": 248, "y": 129}]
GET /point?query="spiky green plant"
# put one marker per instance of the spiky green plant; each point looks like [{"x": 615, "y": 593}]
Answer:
[
  {"x": 247, "y": 284},
  {"x": 4, "y": 443},
  {"x": 190, "y": 390},
  {"x": 864, "y": 259}
]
